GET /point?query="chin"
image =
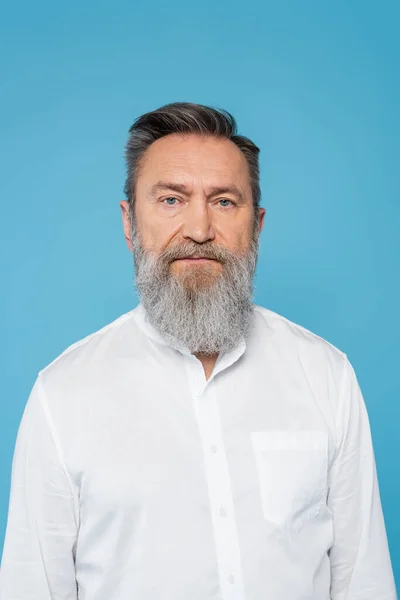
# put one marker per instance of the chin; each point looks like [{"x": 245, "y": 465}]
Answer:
[
  {"x": 212, "y": 267},
  {"x": 204, "y": 267},
  {"x": 197, "y": 277}
]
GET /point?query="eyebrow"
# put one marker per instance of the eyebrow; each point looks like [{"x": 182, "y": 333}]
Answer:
[{"x": 183, "y": 189}]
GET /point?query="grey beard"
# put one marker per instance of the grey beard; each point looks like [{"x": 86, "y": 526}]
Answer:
[{"x": 207, "y": 313}]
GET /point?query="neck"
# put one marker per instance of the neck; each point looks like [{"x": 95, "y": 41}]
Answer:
[{"x": 208, "y": 363}]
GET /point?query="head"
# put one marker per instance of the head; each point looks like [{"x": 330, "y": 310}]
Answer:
[{"x": 192, "y": 220}]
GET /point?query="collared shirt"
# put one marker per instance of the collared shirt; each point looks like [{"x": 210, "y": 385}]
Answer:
[{"x": 136, "y": 478}]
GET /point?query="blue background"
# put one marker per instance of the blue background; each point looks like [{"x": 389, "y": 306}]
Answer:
[{"x": 315, "y": 84}]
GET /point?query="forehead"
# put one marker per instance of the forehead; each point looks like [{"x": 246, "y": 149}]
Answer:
[{"x": 192, "y": 157}]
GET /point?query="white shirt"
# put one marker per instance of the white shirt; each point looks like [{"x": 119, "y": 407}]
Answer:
[{"x": 134, "y": 478}]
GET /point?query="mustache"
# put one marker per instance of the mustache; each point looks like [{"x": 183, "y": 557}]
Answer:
[{"x": 187, "y": 250}]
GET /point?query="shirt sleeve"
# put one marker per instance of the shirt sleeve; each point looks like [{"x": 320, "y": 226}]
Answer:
[
  {"x": 39, "y": 548},
  {"x": 360, "y": 562}
]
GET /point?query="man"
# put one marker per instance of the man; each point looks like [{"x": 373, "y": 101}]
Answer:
[{"x": 199, "y": 446}]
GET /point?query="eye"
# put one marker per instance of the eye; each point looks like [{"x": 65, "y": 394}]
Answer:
[
  {"x": 170, "y": 201},
  {"x": 225, "y": 202}
]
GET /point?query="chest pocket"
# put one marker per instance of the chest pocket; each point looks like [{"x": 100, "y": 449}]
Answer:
[{"x": 292, "y": 472}]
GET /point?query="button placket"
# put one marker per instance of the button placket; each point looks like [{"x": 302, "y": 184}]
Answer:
[
  {"x": 220, "y": 493},
  {"x": 222, "y": 511}
]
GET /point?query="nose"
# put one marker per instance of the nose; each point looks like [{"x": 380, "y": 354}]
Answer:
[{"x": 197, "y": 222}]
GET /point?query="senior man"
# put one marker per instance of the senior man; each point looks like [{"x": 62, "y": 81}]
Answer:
[{"x": 200, "y": 446}]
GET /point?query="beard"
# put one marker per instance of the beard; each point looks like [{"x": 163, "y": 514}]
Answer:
[{"x": 203, "y": 308}]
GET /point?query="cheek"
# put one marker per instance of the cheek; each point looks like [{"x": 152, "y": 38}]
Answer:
[
  {"x": 155, "y": 236},
  {"x": 240, "y": 238}
]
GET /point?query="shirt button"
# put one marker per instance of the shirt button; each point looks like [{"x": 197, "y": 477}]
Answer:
[
  {"x": 213, "y": 448},
  {"x": 231, "y": 578},
  {"x": 222, "y": 511}
]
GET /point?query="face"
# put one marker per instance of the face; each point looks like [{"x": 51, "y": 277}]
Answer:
[
  {"x": 194, "y": 241},
  {"x": 193, "y": 196}
]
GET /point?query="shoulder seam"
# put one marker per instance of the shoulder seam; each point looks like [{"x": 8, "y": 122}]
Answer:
[
  {"x": 346, "y": 365},
  {"x": 75, "y": 345},
  {"x": 42, "y": 396},
  {"x": 300, "y": 327}
]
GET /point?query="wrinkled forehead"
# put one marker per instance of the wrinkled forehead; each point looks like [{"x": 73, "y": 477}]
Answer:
[{"x": 194, "y": 160}]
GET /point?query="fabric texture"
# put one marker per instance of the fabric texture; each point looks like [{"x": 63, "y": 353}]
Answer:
[{"x": 134, "y": 477}]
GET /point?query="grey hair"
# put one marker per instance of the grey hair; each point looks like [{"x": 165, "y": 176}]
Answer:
[{"x": 182, "y": 118}]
